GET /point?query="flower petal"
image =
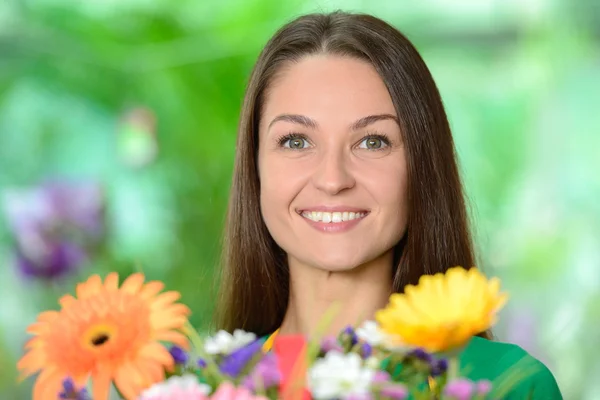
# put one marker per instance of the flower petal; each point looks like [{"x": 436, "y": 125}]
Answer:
[
  {"x": 112, "y": 281},
  {"x": 133, "y": 284},
  {"x": 101, "y": 379}
]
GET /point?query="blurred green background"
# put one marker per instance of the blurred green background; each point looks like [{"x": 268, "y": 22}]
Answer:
[{"x": 142, "y": 97}]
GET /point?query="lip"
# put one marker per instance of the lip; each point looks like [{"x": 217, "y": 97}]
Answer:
[
  {"x": 299, "y": 210},
  {"x": 334, "y": 227}
]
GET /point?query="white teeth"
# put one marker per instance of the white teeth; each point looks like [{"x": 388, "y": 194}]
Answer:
[{"x": 335, "y": 217}]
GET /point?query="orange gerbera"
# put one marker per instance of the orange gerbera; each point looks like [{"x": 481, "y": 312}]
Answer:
[{"x": 107, "y": 334}]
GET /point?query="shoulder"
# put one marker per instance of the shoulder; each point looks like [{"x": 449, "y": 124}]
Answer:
[{"x": 507, "y": 365}]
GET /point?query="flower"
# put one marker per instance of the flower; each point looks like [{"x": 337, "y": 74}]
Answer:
[
  {"x": 54, "y": 225},
  {"x": 234, "y": 363},
  {"x": 370, "y": 333},
  {"x": 459, "y": 389},
  {"x": 179, "y": 355},
  {"x": 264, "y": 375},
  {"x": 184, "y": 387},
  {"x": 366, "y": 350},
  {"x": 330, "y": 343},
  {"x": 421, "y": 354},
  {"x": 349, "y": 335},
  {"x": 439, "y": 367},
  {"x": 395, "y": 391},
  {"x": 227, "y": 391},
  {"x": 339, "y": 375},
  {"x": 224, "y": 342},
  {"x": 363, "y": 396},
  {"x": 464, "y": 389},
  {"x": 483, "y": 387},
  {"x": 70, "y": 392},
  {"x": 443, "y": 312},
  {"x": 381, "y": 377},
  {"x": 291, "y": 352},
  {"x": 372, "y": 362},
  {"x": 107, "y": 334},
  {"x": 56, "y": 204},
  {"x": 55, "y": 260}
]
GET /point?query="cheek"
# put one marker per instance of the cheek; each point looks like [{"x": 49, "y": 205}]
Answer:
[
  {"x": 279, "y": 182},
  {"x": 388, "y": 183},
  {"x": 389, "y": 188}
]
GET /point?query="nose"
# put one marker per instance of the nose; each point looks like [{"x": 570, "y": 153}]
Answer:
[{"x": 333, "y": 174}]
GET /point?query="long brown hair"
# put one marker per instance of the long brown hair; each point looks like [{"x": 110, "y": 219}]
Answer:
[{"x": 254, "y": 284}]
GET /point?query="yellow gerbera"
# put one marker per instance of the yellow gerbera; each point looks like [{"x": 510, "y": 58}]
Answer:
[
  {"x": 106, "y": 334},
  {"x": 443, "y": 311}
]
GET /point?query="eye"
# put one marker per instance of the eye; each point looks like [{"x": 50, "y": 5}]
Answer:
[
  {"x": 374, "y": 142},
  {"x": 294, "y": 141},
  {"x": 297, "y": 143}
]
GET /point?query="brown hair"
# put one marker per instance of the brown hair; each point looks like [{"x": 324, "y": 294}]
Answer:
[{"x": 254, "y": 284}]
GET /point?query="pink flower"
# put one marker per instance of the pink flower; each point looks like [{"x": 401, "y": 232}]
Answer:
[
  {"x": 177, "y": 388},
  {"x": 227, "y": 391}
]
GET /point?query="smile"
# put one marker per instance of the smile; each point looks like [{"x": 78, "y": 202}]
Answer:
[{"x": 332, "y": 217}]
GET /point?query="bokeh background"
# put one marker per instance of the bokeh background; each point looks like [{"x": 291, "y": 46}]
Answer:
[{"x": 117, "y": 131}]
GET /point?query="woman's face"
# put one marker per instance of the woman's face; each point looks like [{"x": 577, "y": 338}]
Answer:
[{"x": 332, "y": 164}]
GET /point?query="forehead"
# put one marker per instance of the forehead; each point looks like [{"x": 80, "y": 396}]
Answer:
[{"x": 328, "y": 88}]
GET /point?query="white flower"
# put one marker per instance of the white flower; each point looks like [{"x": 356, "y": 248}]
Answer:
[
  {"x": 225, "y": 343},
  {"x": 369, "y": 332},
  {"x": 372, "y": 362},
  {"x": 186, "y": 386},
  {"x": 339, "y": 376}
]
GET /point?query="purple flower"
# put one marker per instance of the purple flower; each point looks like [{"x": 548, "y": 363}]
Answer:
[
  {"x": 459, "y": 389},
  {"x": 351, "y": 335},
  {"x": 330, "y": 344},
  {"x": 179, "y": 355},
  {"x": 366, "y": 350},
  {"x": 201, "y": 363},
  {"x": 395, "y": 391},
  {"x": 421, "y": 354},
  {"x": 234, "y": 363},
  {"x": 359, "y": 396},
  {"x": 53, "y": 225},
  {"x": 439, "y": 367},
  {"x": 70, "y": 392},
  {"x": 78, "y": 204},
  {"x": 381, "y": 377},
  {"x": 55, "y": 205},
  {"x": 264, "y": 375},
  {"x": 54, "y": 261},
  {"x": 483, "y": 387}
]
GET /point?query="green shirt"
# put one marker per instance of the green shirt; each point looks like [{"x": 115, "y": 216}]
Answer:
[{"x": 495, "y": 361}]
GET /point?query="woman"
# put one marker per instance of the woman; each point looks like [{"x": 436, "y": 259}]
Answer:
[{"x": 345, "y": 187}]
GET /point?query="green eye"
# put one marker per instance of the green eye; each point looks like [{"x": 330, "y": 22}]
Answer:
[
  {"x": 373, "y": 143},
  {"x": 295, "y": 143}
]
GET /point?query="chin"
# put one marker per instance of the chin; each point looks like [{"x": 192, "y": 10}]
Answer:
[{"x": 334, "y": 264}]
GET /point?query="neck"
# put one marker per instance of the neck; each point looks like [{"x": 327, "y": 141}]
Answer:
[{"x": 355, "y": 295}]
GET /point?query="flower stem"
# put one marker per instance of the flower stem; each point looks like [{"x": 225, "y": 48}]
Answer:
[{"x": 453, "y": 368}]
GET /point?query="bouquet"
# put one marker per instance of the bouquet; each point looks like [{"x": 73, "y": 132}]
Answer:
[{"x": 137, "y": 339}]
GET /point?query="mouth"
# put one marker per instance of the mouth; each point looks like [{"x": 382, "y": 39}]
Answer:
[{"x": 335, "y": 217}]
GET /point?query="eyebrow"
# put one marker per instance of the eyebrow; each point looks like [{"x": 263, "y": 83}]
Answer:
[{"x": 312, "y": 124}]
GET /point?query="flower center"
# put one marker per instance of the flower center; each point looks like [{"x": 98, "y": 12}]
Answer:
[
  {"x": 99, "y": 335},
  {"x": 100, "y": 339}
]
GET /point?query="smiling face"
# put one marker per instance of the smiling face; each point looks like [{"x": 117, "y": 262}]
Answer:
[{"x": 332, "y": 166}]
